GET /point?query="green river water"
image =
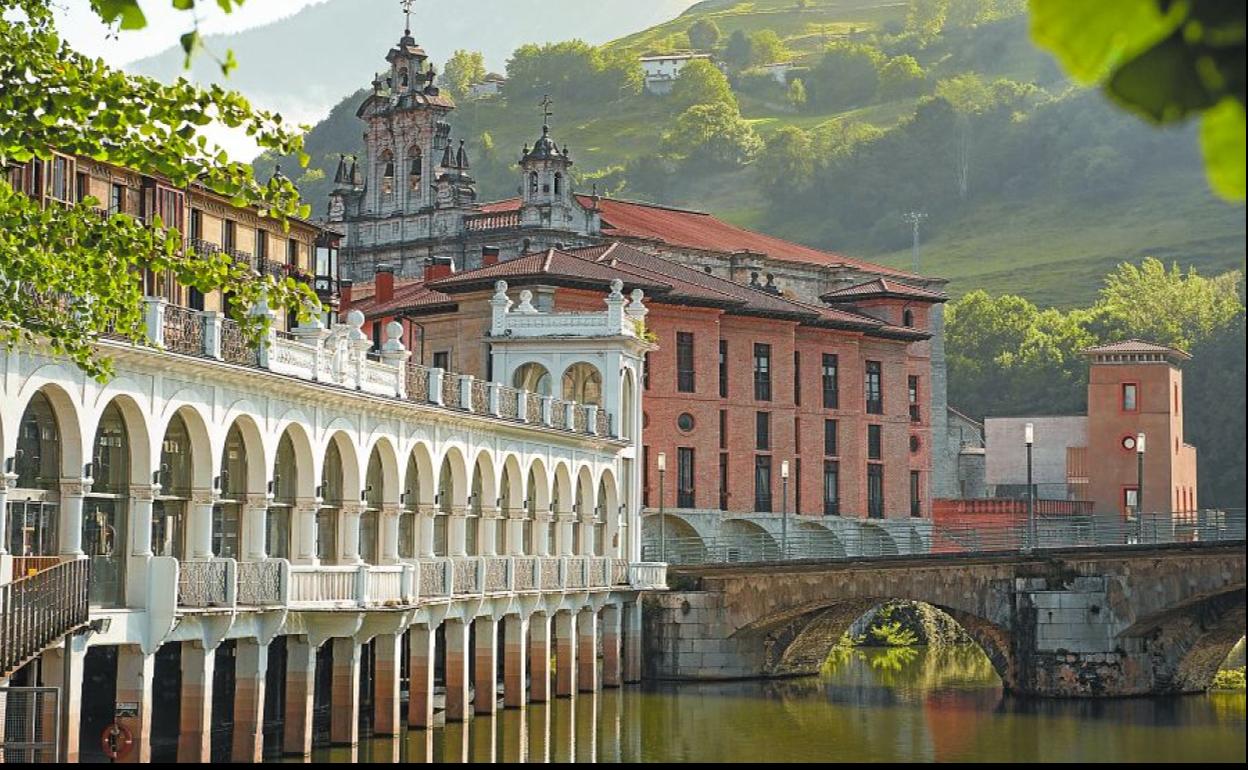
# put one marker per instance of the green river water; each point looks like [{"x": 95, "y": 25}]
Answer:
[{"x": 900, "y": 705}]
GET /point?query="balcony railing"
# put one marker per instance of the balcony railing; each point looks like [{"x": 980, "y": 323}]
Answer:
[
  {"x": 37, "y": 611},
  {"x": 205, "y": 584},
  {"x": 341, "y": 356},
  {"x": 260, "y": 583}
]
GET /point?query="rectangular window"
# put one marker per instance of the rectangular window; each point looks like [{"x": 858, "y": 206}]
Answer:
[
  {"x": 442, "y": 360},
  {"x": 874, "y": 388},
  {"x": 797, "y": 378},
  {"x": 723, "y": 368},
  {"x": 262, "y": 246},
  {"x": 645, "y": 372},
  {"x": 831, "y": 488},
  {"x": 831, "y": 394},
  {"x": 229, "y": 234},
  {"x": 723, "y": 428},
  {"x": 723, "y": 481},
  {"x": 117, "y": 199},
  {"x": 916, "y": 506},
  {"x": 60, "y": 179},
  {"x": 762, "y": 483},
  {"x": 684, "y": 477},
  {"x": 645, "y": 476},
  {"x": 197, "y": 225},
  {"x": 84, "y": 187},
  {"x": 875, "y": 491},
  {"x": 875, "y": 442},
  {"x": 762, "y": 372},
  {"x": 797, "y": 485},
  {"x": 1130, "y": 500},
  {"x": 912, "y": 384},
  {"x": 829, "y": 438},
  {"x": 762, "y": 430},
  {"x": 1130, "y": 393},
  {"x": 292, "y": 252},
  {"x": 684, "y": 362}
]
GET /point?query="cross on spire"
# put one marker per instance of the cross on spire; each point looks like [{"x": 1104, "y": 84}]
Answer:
[
  {"x": 406, "y": 5},
  {"x": 545, "y": 104}
]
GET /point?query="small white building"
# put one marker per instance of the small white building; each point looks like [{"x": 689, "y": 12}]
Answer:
[
  {"x": 662, "y": 70},
  {"x": 491, "y": 86}
]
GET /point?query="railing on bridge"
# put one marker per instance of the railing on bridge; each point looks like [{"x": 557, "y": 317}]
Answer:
[{"x": 865, "y": 542}]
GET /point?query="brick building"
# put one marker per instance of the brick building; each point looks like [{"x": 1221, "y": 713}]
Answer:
[{"x": 743, "y": 378}]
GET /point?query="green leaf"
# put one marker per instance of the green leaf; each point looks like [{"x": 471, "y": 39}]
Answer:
[
  {"x": 1163, "y": 83},
  {"x": 1091, "y": 38},
  {"x": 1222, "y": 142},
  {"x": 128, "y": 11}
]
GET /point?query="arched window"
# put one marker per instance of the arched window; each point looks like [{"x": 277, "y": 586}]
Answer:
[
  {"x": 415, "y": 168},
  {"x": 907, "y": 318},
  {"x": 558, "y": 184},
  {"x": 403, "y": 78},
  {"x": 533, "y": 183},
  {"x": 582, "y": 383},
  {"x": 532, "y": 377},
  {"x": 387, "y": 173}
]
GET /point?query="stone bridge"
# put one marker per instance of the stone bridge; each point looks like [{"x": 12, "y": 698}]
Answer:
[{"x": 1080, "y": 623}]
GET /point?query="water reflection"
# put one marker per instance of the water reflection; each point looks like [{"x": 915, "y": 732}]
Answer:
[{"x": 878, "y": 705}]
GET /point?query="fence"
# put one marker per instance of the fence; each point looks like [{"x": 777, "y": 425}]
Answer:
[
  {"x": 38, "y": 610},
  {"x": 865, "y": 540}
]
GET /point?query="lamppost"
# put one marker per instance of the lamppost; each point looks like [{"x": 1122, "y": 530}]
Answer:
[
  {"x": 784, "y": 509},
  {"x": 662, "y": 518},
  {"x": 1029, "y": 438},
  {"x": 1139, "y": 482}
]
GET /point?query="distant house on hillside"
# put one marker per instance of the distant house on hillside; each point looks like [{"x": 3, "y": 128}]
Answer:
[
  {"x": 662, "y": 70},
  {"x": 778, "y": 70},
  {"x": 492, "y": 85}
]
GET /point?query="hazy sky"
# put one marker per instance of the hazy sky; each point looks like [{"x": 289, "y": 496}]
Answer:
[{"x": 84, "y": 31}]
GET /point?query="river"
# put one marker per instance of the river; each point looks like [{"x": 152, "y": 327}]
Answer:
[{"x": 899, "y": 705}]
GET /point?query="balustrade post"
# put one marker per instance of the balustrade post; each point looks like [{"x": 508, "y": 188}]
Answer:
[
  {"x": 436, "y": 375},
  {"x": 213, "y": 324},
  {"x": 154, "y": 320},
  {"x": 591, "y": 419},
  {"x": 569, "y": 415},
  {"x": 548, "y": 403},
  {"x": 465, "y": 391},
  {"x": 522, "y": 406},
  {"x": 494, "y": 398}
]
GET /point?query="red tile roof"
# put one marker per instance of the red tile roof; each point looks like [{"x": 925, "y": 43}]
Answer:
[
  {"x": 883, "y": 287},
  {"x": 408, "y": 295},
  {"x": 1136, "y": 346},
  {"x": 698, "y": 230}
]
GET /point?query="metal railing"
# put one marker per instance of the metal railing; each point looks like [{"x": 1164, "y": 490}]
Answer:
[
  {"x": 260, "y": 583},
  {"x": 204, "y": 583},
  {"x": 866, "y": 539},
  {"x": 36, "y": 611}
]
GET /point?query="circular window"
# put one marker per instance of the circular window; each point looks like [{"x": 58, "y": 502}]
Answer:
[
  {"x": 1128, "y": 443},
  {"x": 685, "y": 422},
  {"x": 914, "y": 444}
]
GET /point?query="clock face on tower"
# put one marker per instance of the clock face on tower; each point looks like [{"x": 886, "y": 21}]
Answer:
[{"x": 1128, "y": 442}]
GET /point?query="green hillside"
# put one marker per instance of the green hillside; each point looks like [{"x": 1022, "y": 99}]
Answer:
[{"x": 1030, "y": 186}]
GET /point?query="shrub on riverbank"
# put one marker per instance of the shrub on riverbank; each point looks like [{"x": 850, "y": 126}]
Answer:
[{"x": 1229, "y": 679}]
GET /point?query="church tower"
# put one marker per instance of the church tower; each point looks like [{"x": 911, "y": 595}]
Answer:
[
  {"x": 546, "y": 183},
  {"x": 406, "y": 133}
]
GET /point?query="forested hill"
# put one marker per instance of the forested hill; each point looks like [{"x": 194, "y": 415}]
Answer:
[{"x": 1029, "y": 184}]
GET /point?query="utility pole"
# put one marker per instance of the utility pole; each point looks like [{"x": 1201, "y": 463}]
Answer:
[{"x": 915, "y": 218}]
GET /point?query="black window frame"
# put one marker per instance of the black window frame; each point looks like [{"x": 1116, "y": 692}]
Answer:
[
  {"x": 832, "y": 485},
  {"x": 875, "y": 441},
  {"x": 831, "y": 381},
  {"x": 875, "y": 490},
  {"x": 723, "y": 368},
  {"x": 762, "y": 371},
  {"x": 762, "y": 431},
  {"x": 831, "y": 429},
  {"x": 912, "y": 387},
  {"x": 873, "y": 387},
  {"x": 686, "y": 381},
  {"x": 686, "y": 477},
  {"x": 762, "y": 491}
]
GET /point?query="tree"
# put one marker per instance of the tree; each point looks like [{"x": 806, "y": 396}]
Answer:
[
  {"x": 766, "y": 47},
  {"x": 463, "y": 70},
  {"x": 739, "y": 50},
  {"x": 1215, "y": 412},
  {"x": 572, "y": 71},
  {"x": 1164, "y": 61},
  {"x": 714, "y": 135},
  {"x": 704, "y": 34},
  {"x": 701, "y": 82},
  {"x": 67, "y": 275},
  {"x": 848, "y": 75},
  {"x": 1168, "y": 307},
  {"x": 789, "y": 162},
  {"x": 901, "y": 78},
  {"x": 926, "y": 18},
  {"x": 797, "y": 94}
]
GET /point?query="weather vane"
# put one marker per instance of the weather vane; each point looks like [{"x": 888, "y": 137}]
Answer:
[
  {"x": 546, "y": 112},
  {"x": 406, "y": 5}
]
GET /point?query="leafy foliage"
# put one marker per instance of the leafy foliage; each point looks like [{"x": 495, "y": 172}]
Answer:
[
  {"x": 1164, "y": 60},
  {"x": 56, "y": 259},
  {"x": 701, "y": 82},
  {"x": 704, "y": 34},
  {"x": 713, "y": 136},
  {"x": 463, "y": 70},
  {"x": 571, "y": 71}
]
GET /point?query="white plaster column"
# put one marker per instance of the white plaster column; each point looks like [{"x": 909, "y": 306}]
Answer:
[
  {"x": 457, "y": 529},
  {"x": 564, "y": 541},
  {"x": 541, "y": 529},
  {"x": 195, "y": 720},
  {"x": 135, "y": 670},
  {"x": 251, "y": 667},
  {"x": 485, "y": 699},
  {"x": 304, "y": 535},
  {"x": 389, "y": 550},
  {"x": 69, "y": 525},
  {"x": 487, "y": 534},
  {"x": 349, "y": 533},
  {"x": 425, "y": 514},
  {"x": 7, "y": 482},
  {"x": 515, "y": 532},
  {"x": 587, "y": 654},
  {"x": 199, "y": 525},
  {"x": 255, "y": 528},
  {"x": 421, "y": 651}
]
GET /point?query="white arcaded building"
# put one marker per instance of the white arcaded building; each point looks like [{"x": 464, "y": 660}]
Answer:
[{"x": 313, "y": 499}]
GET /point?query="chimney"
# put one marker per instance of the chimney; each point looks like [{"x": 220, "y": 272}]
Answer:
[
  {"x": 489, "y": 256},
  {"x": 384, "y": 287},
  {"x": 344, "y": 295},
  {"x": 438, "y": 267}
]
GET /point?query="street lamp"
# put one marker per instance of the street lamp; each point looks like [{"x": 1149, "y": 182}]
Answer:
[
  {"x": 662, "y": 522},
  {"x": 784, "y": 508},
  {"x": 1139, "y": 482},
  {"x": 1029, "y": 438}
]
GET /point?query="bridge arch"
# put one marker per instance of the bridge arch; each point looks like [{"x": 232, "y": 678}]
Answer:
[{"x": 1189, "y": 642}]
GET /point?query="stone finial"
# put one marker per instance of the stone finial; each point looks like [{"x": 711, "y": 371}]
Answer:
[
  {"x": 500, "y": 290},
  {"x": 526, "y": 302},
  {"x": 394, "y": 338},
  {"x": 617, "y": 289},
  {"x": 355, "y": 320},
  {"x": 637, "y": 296}
]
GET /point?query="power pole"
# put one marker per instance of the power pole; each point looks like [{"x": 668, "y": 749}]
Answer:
[{"x": 915, "y": 218}]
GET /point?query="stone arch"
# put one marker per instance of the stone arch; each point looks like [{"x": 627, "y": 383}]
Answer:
[
  {"x": 561, "y": 498},
  {"x": 306, "y": 465},
  {"x": 876, "y": 541},
  {"x": 628, "y": 404},
  {"x": 349, "y": 482},
  {"x": 537, "y": 486},
  {"x": 582, "y": 382},
  {"x": 669, "y": 537},
  {"x": 138, "y": 436},
  {"x": 817, "y": 542},
  {"x": 202, "y": 468},
  {"x": 452, "y": 480},
  {"x": 418, "y": 477},
  {"x": 1188, "y": 643},
  {"x": 257, "y": 463},
  {"x": 609, "y": 501},
  {"x": 745, "y": 540},
  {"x": 70, "y": 439},
  {"x": 484, "y": 481},
  {"x": 383, "y": 467},
  {"x": 533, "y": 377},
  {"x": 511, "y": 485},
  {"x": 585, "y": 494}
]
